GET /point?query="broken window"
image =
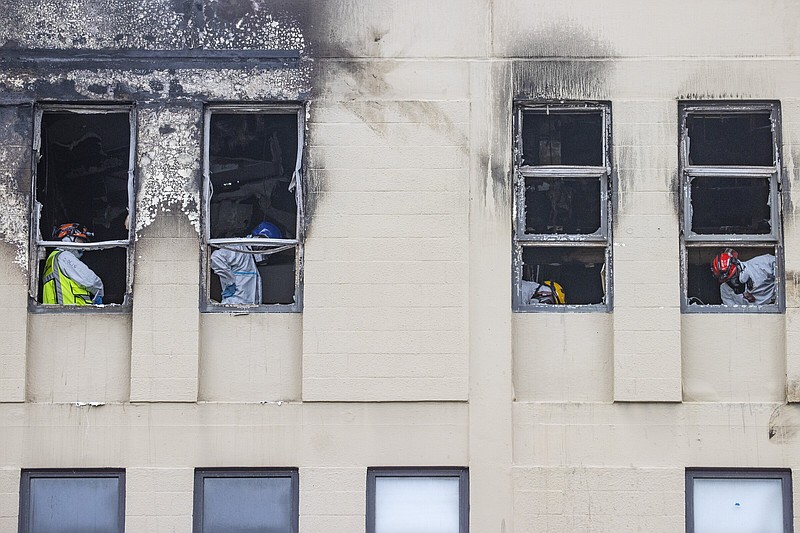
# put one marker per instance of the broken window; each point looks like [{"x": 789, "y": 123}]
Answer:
[
  {"x": 83, "y": 176},
  {"x": 730, "y": 164},
  {"x": 253, "y": 218},
  {"x": 739, "y": 500},
  {"x": 562, "y": 222}
]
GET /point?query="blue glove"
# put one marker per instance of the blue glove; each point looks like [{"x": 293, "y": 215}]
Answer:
[
  {"x": 98, "y": 299},
  {"x": 229, "y": 291}
]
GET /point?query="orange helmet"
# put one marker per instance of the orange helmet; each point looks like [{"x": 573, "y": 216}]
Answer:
[
  {"x": 72, "y": 229},
  {"x": 725, "y": 265}
]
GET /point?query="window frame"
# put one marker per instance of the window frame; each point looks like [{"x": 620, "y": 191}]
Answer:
[
  {"x": 784, "y": 474},
  {"x": 38, "y": 244},
  {"x": 200, "y": 475},
  {"x": 688, "y": 172},
  {"x": 28, "y": 473},
  {"x": 602, "y": 238},
  {"x": 419, "y": 472},
  {"x": 277, "y": 108}
]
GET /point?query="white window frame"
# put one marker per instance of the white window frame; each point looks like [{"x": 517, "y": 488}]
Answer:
[
  {"x": 419, "y": 472},
  {"x": 784, "y": 475},
  {"x": 690, "y": 239},
  {"x": 600, "y": 239},
  {"x": 39, "y": 243},
  {"x": 264, "y": 245}
]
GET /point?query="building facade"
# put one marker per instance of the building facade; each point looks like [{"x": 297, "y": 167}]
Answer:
[{"x": 421, "y": 163}]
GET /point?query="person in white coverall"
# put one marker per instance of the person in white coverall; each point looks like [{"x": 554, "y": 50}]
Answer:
[
  {"x": 750, "y": 282},
  {"x": 237, "y": 270}
]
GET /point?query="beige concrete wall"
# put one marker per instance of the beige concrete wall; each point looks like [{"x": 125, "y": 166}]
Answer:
[{"x": 407, "y": 352}]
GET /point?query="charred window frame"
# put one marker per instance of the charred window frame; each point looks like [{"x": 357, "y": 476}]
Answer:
[
  {"x": 562, "y": 203},
  {"x": 394, "y": 475},
  {"x": 718, "y": 479},
  {"x": 730, "y": 165},
  {"x": 75, "y": 499},
  {"x": 252, "y": 499},
  {"x": 83, "y": 171},
  {"x": 232, "y": 180}
]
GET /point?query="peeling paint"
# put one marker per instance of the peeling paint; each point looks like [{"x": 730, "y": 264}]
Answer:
[
  {"x": 148, "y": 25},
  {"x": 169, "y": 164},
  {"x": 14, "y": 222}
]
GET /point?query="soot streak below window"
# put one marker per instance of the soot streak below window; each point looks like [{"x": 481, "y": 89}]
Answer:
[
  {"x": 730, "y": 166},
  {"x": 562, "y": 209},
  {"x": 253, "y": 217},
  {"x": 83, "y": 175}
]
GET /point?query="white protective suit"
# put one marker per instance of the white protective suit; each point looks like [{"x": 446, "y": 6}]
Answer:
[
  {"x": 761, "y": 270},
  {"x": 238, "y": 268},
  {"x": 76, "y": 270}
]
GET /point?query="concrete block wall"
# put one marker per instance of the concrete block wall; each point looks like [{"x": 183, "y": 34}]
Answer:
[{"x": 407, "y": 352}]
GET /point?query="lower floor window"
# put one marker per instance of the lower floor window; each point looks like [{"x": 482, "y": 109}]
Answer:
[
  {"x": 738, "y": 501},
  {"x": 401, "y": 500},
  {"x": 64, "y": 501},
  {"x": 244, "y": 499}
]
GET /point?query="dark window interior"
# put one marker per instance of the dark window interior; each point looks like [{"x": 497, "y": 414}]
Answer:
[
  {"x": 577, "y": 269},
  {"x": 702, "y": 287},
  {"x": 82, "y": 176},
  {"x": 562, "y": 205},
  {"x": 251, "y": 160},
  {"x": 562, "y": 138},
  {"x": 277, "y": 279},
  {"x": 727, "y": 205},
  {"x": 743, "y": 139}
]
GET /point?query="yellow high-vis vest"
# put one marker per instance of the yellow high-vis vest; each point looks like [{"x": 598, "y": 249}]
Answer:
[{"x": 58, "y": 288}]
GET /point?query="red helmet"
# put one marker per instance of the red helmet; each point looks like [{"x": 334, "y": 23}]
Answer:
[
  {"x": 725, "y": 265},
  {"x": 72, "y": 229}
]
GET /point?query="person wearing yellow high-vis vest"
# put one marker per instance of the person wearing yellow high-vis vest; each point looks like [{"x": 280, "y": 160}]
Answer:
[{"x": 66, "y": 279}]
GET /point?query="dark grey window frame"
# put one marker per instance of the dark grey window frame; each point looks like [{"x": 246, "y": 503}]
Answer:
[
  {"x": 29, "y": 473},
  {"x": 38, "y": 244},
  {"x": 688, "y": 172},
  {"x": 600, "y": 239},
  {"x": 200, "y": 474},
  {"x": 420, "y": 472},
  {"x": 784, "y": 474},
  {"x": 206, "y": 304}
]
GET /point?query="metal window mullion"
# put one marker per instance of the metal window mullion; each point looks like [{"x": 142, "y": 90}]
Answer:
[
  {"x": 729, "y": 172},
  {"x": 598, "y": 241},
  {"x": 562, "y": 171}
]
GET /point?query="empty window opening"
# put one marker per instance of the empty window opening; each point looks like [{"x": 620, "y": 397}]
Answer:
[
  {"x": 731, "y": 207},
  {"x": 562, "y": 209},
  {"x": 62, "y": 501},
  {"x": 739, "y": 501},
  {"x": 84, "y": 175},
  {"x": 562, "y": 138},
  {"x": 730, "y": 139},
  {"x": 562, "y": 205},
  {"x": 241, "y": 500},
  {"x": 254, "y": 195}
]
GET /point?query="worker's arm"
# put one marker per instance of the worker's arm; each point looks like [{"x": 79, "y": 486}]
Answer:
[
  {"x": 77, "y": 271},
  {"x": 221, "y": 266}
]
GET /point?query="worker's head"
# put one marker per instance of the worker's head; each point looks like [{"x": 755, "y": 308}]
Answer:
[
  {"x": 267, "y": 230},
  {"x": 549, "y": 292},
  {"x": 72, "y": 232},
  {"x": 726, "y": 268}
]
